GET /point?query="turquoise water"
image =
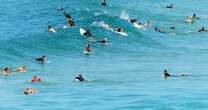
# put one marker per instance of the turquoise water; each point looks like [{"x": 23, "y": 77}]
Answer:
[{"x": 123, "y": 76}]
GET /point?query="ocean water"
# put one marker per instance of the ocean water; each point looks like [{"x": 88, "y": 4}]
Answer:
[{"x": 125, "y": 75}]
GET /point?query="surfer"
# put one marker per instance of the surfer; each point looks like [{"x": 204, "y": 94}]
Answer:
[
  {"x": 189, "y": 19},
  {"x": 70, "y": 22},
  {"x": 30, "y": 91},
  {"x": 60, "y": 8},
  {"x": 6, "y": 71},
  {"x": 147, "y": 24},
  {"x": 35, "y": 80},
  {"x": 195, "y": 17},
  {"x": 41, "y": 59},
  {"x": 103, "y": 2},
  {"x": 51, "y": 29},
  {"x": 67, "y": 15},
  {"x": 79, "y": 78},
  {"x": 88, "y": 49},
  {"x": 21, "y": 69},
  {"x": 171, "y": 6},
  {"x": 118, "y": 29},
  {"x": 202, "y": 30},
  {"x": 172, "y": 27},
  {"x": 158, "y": 30},
  {"x": 87, "y": 33},
  {"x": 103, "y": 41},
  {"x": 165, "y": 75}
]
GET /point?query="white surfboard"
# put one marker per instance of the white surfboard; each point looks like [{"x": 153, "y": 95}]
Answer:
[
  {"x": 86, "y": 53},
  {"x": 82, "y": 31}
]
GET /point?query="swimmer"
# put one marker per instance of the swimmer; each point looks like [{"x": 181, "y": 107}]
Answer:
[
  {"x": 87, "y": 48},
  {"x": 79, "y": 78},
  {"x": 103, "y": 41},
  {"x": 35, "y": 80},
  {"x": 103, "y": 2},
  {"x": 195, "y": 17},
  {"x": 41, "y": 59},
  {"x": 51, "y": 30},
  {"x": 87, "y": 33},
  {"x": 172, "y": 27},
  {"x": 70, "y": 22},
  {"x": 60, "y": 8},
  {"x": 28, "y": 91},
  {"x": 21, "y": 69},
  {"x": 67, "y": 15},
  {"x": 147, "y": 24},
  {"x": 202, "y": 30},
  {"x": 6, "y": 71},
  {"x": 166, "y": 75},
  {"x": 171, "y": 6},
  {"x": 159, "y": 30}
]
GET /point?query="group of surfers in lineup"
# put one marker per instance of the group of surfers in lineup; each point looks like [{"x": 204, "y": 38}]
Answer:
[{"x": 70, "y": 23}]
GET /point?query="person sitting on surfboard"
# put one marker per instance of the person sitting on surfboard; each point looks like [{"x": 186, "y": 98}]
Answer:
[
  {"x": 87, "y": 48},
  {"x": 51, "y": 30},
  {"x": 166, "y": 74},
  {"x": 103, "y": 2},
  {"x": 79, "y": 78},
  {"x": 202, "y": 30},
  {"x": 41, "y": 59},
  {"x": 103, "y": 41},
  {"x": 170, "y": 6}
]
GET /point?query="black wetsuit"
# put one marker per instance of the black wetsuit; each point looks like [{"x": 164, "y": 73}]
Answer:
[
  {"x": 41, "y": 59},
  {"x": 167, "y": 75},
  {"x": 70, "y": 22},
  {"x": 67, "y": 15},
  {"x": 87, "y": 33},
  {"x": 102, "y": 41},
  {"x": 81, "y": 79}
]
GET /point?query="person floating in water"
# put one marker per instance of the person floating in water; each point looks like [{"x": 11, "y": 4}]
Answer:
[
  {"x": 195, "y": 17},
  {"x": 103, "y": 41},
  {"x": 88, "y": 48},
  {"x": 51, "y": 29},
  {"x": 35, "y": 80},
  {"x": 80, "y": 78},
  {"x": 6, "y": 71},
  {"x": 60, "y": 8},
  {"x": 28, "y": 91},
  {"x": 172, "y": 27},
  {"x": 171, "y": 6},
  {"x": 165, "y": 74},
  {"x": 41, "y": 59},
  {"x": 103, "y": 2},
  {"x": 21, "y": 69},
  {"x": 202, "y": 30},
  {"x": 158, "y": 30}
]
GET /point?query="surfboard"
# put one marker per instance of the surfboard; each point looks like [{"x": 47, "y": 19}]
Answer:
[
  {"x": 86, "y": 53},
  {"x": 82, "y": 31}
]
